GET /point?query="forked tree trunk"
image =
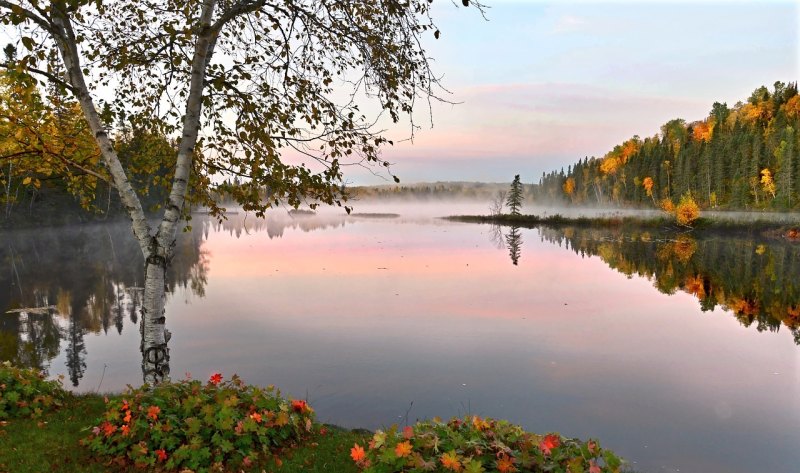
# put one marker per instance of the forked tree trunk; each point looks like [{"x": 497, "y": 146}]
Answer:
[{"x": 155, "y": 247}]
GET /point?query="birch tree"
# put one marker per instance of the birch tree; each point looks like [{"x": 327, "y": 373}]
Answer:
[{"x": 267, "y": 91}]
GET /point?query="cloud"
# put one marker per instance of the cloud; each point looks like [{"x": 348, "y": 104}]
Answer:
[
  {"x": 542, "y": 120},
  {"x": 569, "y": 24}
]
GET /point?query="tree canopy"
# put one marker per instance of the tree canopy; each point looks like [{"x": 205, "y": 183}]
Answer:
[
  {"x": 744, "y": 156},
  {"x": 275, "y": 93}
]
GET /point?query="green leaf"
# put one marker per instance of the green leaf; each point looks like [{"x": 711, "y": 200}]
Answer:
[{"x": 27, "y": 42}]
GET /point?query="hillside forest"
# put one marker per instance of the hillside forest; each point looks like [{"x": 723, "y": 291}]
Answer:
[{"x": 739, "y": 157}]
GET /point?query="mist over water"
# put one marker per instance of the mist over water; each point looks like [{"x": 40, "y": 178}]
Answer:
[{"x": 673, "y": 352}]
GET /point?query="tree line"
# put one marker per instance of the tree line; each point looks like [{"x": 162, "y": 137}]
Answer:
[{"x": 740, "y": 157}]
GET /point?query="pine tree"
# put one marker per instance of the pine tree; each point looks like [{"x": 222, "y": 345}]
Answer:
[{"x": 514, "y": 200}]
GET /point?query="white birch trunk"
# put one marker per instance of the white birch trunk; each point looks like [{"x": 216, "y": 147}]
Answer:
[
  {"x": 157, "y": 248},
  {"x": 155, "y": 352}
]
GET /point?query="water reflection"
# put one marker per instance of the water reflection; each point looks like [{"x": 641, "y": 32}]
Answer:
[
  {"x": 63, "y": 283},
  {"x": 757, "y": 281}
]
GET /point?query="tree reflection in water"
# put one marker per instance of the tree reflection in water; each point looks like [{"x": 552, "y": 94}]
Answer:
[
  {"x": 757, "y": 280},
  {"x": 87, "y": 279}
]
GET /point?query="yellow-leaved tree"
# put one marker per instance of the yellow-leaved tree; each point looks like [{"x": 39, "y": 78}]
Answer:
[{"x": 687, "y": 211}]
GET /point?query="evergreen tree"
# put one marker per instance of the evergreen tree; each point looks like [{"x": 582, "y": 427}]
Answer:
[{"x": 514, "y": 199}]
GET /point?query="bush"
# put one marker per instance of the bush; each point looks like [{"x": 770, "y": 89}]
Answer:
[
  {"x": 473, "y": 445},
  {"x": 667, "y": 205},
  {"x": 24, "y": 392},
  {"x": 218, "y": 425},
  {"x": 687, "y": 210}
]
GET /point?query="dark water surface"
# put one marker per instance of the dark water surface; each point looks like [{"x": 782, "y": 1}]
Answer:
[{"x": 679, "y": 353}]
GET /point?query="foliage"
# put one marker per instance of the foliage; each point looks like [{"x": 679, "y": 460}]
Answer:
[
  {"x": 514, "y": 197},
  {"x": 51, "y": 443},
  {"x": 25, "y": 392},
  {"x": 219, "y": 424},
  {"x": 43, "y": 141},
  {"x": 280, "y": 88},
  {"x": 474, "y": 445},
  {"x": 720, "y": 159},
  {"x": 687, "y": 210},
  {"x": 667, "y": 205}
]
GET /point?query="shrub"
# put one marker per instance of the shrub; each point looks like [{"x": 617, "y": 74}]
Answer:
[
  {"x": 24, "y": 392},
  {"x": 473, "y": 445},
  {"x": 218, "y": 425},
  {"x": 687, "y": 210},
  {"x": 667, "y": 205}
]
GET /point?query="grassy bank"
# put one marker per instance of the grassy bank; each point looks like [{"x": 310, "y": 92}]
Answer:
[
  {"x": 52, "y": 444},
  {"x": 665, "y": 223}
]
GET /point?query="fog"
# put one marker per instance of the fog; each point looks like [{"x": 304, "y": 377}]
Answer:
[{"x": 425, "y": 210}]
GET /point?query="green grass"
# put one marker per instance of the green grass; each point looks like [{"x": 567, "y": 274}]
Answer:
[{"x": 52, "y": 444}]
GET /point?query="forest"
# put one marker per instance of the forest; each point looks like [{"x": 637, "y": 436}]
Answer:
[{"x": 739, "y": 157}]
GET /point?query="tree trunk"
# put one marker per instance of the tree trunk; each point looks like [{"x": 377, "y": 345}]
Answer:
[{"x": 155, "y": 352}]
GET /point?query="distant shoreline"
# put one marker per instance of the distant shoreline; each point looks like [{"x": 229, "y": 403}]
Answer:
[{"x": 765, "y": 228}]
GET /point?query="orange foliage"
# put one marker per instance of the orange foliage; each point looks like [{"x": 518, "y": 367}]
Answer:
[
  {"x": 403, "y": 449},
  {"x": 702, "y": 131},
  {"x": 684, "y": 248},
  {"x": 357, "y": 453},
  {"x": 792, "y": 107},
  {"x": 753, "y": 113},
  {"x": 647, "y": 183},
  {"x": 667, "y": 205},
  {"x": 610, "y": 165},
  {"x": 629, "y": 148},
  {"x": 506, "y": 464},
  {"x": 687, "y": 210},
  {"x": 450, "y": 461},
  {"x": 569, "y": 186},
  {"x": 743, "y": 306},
  {"x": 694, "y": 285}
]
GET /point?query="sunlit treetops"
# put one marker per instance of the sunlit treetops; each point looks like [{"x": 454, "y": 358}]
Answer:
[{"x": 718, "y": 160}]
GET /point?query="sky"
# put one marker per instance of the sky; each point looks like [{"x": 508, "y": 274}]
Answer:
[{"x": 540, "y": 85}]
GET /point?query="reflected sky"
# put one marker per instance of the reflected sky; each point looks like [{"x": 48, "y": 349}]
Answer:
[{"x": 372, "y": 319}]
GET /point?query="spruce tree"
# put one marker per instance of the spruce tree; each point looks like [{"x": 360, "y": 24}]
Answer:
[{"x": 514, "y": 199}]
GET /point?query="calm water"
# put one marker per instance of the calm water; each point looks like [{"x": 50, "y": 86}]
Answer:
[{"x": 680, "y": 354}]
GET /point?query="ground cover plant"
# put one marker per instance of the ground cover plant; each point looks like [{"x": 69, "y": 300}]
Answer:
[
  {"x": 475, "y": 445},
  {"x": 216, "y": 425},
  {"x": 25, "y": 392}
]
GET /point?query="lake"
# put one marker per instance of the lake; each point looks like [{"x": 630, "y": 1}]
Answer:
[{"x": 679, "y": 353}]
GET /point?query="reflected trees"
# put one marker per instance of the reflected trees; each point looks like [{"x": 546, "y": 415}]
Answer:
[{"x": 758, "y": 281}]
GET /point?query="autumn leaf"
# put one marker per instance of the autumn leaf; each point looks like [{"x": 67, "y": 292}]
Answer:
[
  {"x": 357, "y": 453},
  {"x": 549, "y": 442},
  {"x": 450, "y": 461},
  {"x": 215, "y": 379},
  {"x": 403, "y": 449},
  {"x": 153, "y": 411},
  {"x": 505, "y": 464}
]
